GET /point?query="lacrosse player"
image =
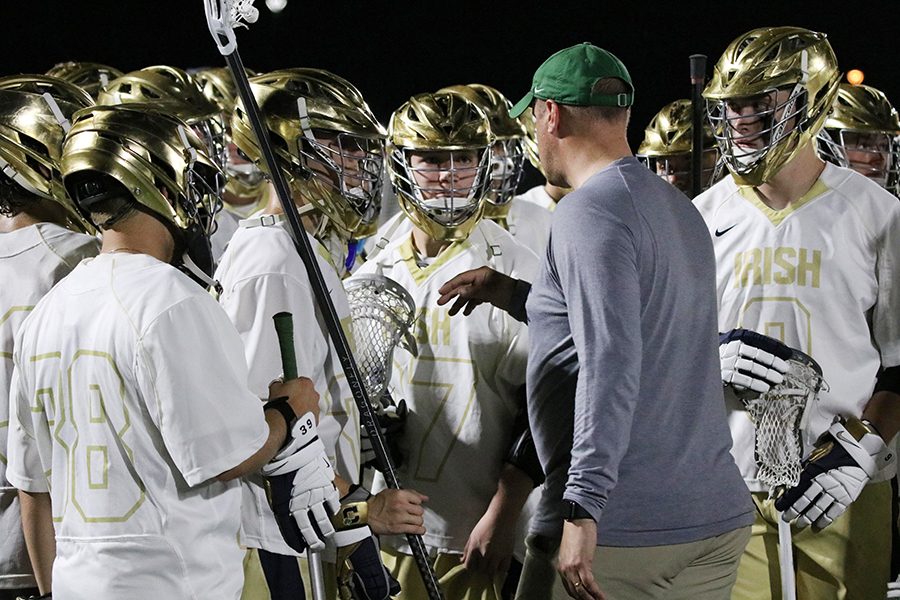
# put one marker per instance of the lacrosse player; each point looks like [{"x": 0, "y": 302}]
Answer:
[
  {"x": 41, "y": 239},
  {"x": 330, "y": 147},
  {"x": 666, "y": 149},
  {"x": 462, "y": 388},
  {"x": 131, "y": 415},
  {"x": 808, "y": 253},
  {"x": 246, "y": 189},
  {"x": 861, "y": 133}
]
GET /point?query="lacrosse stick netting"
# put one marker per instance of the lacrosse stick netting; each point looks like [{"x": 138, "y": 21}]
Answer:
[
  {"x": 778, "y": 417},
  {"x": 383, "y": 313}
]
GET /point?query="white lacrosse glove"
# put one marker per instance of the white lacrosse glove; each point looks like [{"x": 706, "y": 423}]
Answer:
[
  {"x": 300, "y": 488},
  {"x": 752, "y": 361},
  {"x": 845, "y": 458}
]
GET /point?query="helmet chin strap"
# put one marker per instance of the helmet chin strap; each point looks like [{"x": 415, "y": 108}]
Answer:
[{"x": 197, "y": 272}]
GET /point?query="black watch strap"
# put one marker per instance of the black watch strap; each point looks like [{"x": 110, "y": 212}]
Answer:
[
  {"x": 574, "y": 511},
  {"x": 281, "y": 405}
]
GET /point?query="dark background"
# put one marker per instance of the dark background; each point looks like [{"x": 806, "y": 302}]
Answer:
[{"x": 393, "y": 49}]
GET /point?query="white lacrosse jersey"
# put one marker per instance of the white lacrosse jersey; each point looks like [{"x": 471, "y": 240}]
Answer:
[
  {"x": 130, "y": 396},
  {"x": 461, "y": 389},
  {"x": 821, "y": 276},
  {"x": 538, "y": 195},
  {"x": 228, "y": 220},
  {"x": 529, "y": 224},
  {"x": 261, "y": 275},
  {"x": 32, "y": 260}
]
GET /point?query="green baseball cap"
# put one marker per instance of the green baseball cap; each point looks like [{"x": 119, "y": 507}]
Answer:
[{"x": 569, "y": 76}]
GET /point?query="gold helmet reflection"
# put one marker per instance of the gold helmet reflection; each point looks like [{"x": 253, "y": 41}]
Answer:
[
  {"x": 91, "y": 77},
  {"x": 508, "y": 157},
  {"x": 764, "y": 61},
  {"x": 327, "y": 142},
  {"x": 154, "y": 155},
  {"x": 867, "y": 112},
  {"x": 443, "y": 122},
  {"x": 171, "y": 90},
  {"x": 35, "y": 113},
  {"x": 668, "y": 140}
]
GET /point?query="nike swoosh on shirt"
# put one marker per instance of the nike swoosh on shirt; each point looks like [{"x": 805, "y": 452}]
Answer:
[{"x": 721, "y": 232}]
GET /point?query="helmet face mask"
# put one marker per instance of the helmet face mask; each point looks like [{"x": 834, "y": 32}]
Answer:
[
  {"x": 445, "y": 187},
  {"x": 347, "y": 168},
  {"x": 507, "y": 166},
  {"x": 750, "y": 129}
]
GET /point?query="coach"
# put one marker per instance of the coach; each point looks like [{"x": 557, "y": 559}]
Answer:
[{"x": 654, "y": 505}]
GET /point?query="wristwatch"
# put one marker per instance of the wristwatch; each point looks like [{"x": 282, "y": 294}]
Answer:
[{"x": 574, "y": 511}]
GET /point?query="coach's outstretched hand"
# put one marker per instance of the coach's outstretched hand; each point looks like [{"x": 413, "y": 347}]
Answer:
[{"x": 472, "y": 288}]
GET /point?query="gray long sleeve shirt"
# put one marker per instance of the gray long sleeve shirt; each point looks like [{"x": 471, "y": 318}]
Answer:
[{"x": 623, "y": 318}]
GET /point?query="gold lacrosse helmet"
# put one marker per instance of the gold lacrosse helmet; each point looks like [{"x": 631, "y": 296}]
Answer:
[
  {"x": 171, "y": 90},
  {"x": 666, "y": 149},
  {"x": 861, "y": 133},
  {"x": 508, "y": 152},
  {"x": 327, "y": 142},
  {"x": 440, "y": 163},
  {"x": 754, "y": 68},
  {"x": 243, "y": 178},
  {"x": 91, "y": 77},
  {"x": 157, "y": 157},
  {"x": 35, "y": 113}
]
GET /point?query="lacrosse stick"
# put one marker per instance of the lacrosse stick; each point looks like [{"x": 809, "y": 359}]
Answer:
[
  {"x": 778, "y": 417},
  {"x": 222, "y": 16}
]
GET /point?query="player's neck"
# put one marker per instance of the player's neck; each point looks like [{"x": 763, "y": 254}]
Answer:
[
  {"x": 139, "y": 233},
  {"x": 426, "y": 245},
  {"x": 19, "y": 221},
  {"x": 793, "y": 181}
]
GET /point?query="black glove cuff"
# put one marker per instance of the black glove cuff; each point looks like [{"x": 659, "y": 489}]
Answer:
[{"x": 286, "y": 411}]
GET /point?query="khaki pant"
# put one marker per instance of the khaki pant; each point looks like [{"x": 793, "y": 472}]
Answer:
[
  {"x": 455, "y": 581},
  {"x": 848, "y": 560},
  {"x": 701, "y": 570}
]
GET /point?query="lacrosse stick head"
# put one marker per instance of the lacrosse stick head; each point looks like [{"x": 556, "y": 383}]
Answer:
[
  {"x": 222, "y": 16},
  {"x": 778, "y": 417},
  {"x": 383, "y": 313}
]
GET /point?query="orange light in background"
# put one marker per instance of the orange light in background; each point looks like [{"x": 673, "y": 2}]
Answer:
[{"x": 855, "y": 76}]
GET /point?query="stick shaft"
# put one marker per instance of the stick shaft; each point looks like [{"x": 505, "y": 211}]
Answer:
[
  {"x": 329, "y": 314},
  {"x": 284, "y": 329},
  {"x": 786, "y": 561},
  {"x": 698, "y": 114}
]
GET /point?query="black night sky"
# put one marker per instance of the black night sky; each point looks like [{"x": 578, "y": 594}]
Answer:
[{"x": 393, "y": 49}]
